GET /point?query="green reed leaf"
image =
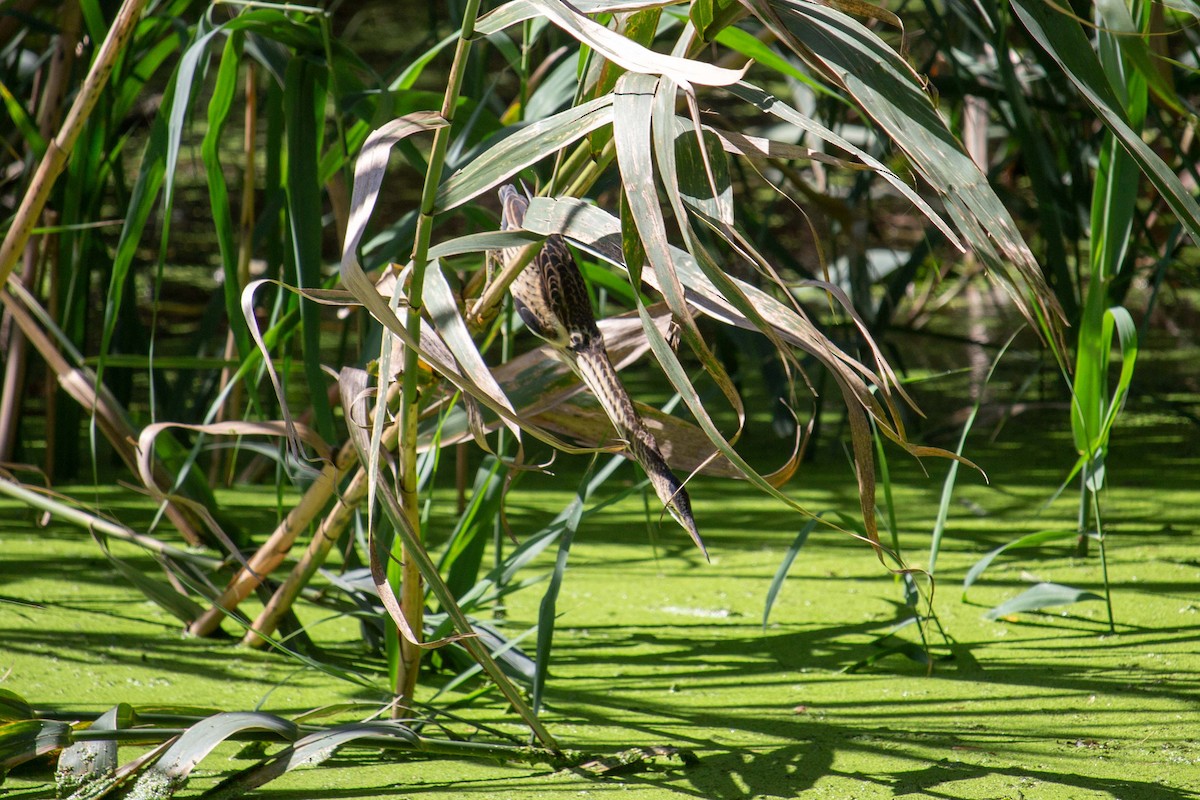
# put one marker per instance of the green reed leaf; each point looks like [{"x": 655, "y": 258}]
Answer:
[
  {"x": 1063, "y": 38},
  {"x": 1029, "y": 540},
  {"x": 170, "y": 773},
  {"x": 219, "y": 107},
  {"x": 1039, "y": 596},
  {"x": 309, "y": 751},
  {"x": 27, "y": 739},
  {"x": 788, "y": 557},
  {"x": 85, "y": 768},
  {"x": 520, "y": 149}
]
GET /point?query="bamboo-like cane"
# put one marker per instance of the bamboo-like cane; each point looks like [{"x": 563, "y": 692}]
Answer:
[
  {"x": 350, "y": 385},
  {"x": 412, "y": 598},
  {"x": 58, "y": 149},
  {"x": 272, "y": 552},
  {"x": 335, "y": 522}
]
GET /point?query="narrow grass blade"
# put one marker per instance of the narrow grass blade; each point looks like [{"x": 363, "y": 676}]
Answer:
[
  {"x": 788, "y": 557},
  {"x": 751, "y": 46},
  {"x": 180, "y": 606},
  {"x": 522, "y": 148},
  {"x": 515, "y": 663},
  {"x": 534, "y": 545},
  {"x": 943, "y": 513},
  {"x": 70, "y": 513}
]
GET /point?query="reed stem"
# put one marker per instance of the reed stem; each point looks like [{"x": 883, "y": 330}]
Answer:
[{"x": 412, "y": 592}]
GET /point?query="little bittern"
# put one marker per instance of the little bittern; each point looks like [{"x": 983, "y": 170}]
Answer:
[{"x": 552, "y": 299}]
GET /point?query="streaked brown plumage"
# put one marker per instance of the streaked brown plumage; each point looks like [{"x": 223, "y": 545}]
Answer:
[{"x": 552, "y": 299}]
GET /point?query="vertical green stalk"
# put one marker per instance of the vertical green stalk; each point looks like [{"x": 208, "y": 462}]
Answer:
[
  {"x": 412, "y": 592},
  {"x": 498, "y": 534},
  {"x": 1095, "y": 498},
  {"x": 1114, "y": 198}
]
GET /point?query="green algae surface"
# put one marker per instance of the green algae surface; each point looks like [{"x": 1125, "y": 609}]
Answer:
[{"x": 656, "y": 648}]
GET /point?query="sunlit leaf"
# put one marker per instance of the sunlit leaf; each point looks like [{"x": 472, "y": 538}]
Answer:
[
  {"x": 1029, "y": 540},
  {"x": 308, "y": 751},
  {"x": 1039, "y": 596},
  {"x": 169, "y": 774},
  {"x": 1063, "y": 38},
  {"x": 610, "y": 44},
  {"x": 523, "y": 147},
  {"x": 86, "y": 764},
  {"x": 27, "y": 739},
  {"x": 887, "y": 89}
]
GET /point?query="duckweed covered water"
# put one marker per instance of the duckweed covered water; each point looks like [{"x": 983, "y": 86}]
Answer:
[{"x": 654, "y": 647}]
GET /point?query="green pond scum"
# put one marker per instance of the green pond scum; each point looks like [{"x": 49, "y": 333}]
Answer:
[{"x": 663, "y": 656}]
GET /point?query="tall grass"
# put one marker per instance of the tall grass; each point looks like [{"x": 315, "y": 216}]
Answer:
[
  {"x": 666, "y": 142},
  {"x": 1116, "y": 76}
]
